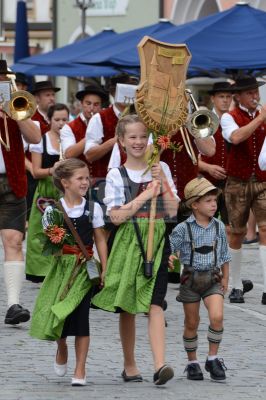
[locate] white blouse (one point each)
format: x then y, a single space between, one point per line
77 211
38 148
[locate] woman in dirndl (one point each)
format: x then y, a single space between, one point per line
44 155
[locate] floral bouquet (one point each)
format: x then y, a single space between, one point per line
54 234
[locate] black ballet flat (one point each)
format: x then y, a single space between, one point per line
133 378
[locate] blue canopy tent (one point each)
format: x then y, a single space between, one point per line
122 42
74 70
230 40
70 52
62 61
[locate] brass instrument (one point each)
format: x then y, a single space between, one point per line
21 106
200 124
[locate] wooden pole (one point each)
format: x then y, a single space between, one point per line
152 219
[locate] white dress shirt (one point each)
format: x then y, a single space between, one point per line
94 132
262 157
67 136
229 125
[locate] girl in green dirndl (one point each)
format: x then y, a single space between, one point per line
44 155
63 303
126 289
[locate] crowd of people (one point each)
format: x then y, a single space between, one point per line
83 189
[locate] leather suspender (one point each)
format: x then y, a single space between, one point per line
128 197
203 249
73 230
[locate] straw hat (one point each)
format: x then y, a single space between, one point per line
196 188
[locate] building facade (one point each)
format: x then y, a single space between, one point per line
55 23
40 22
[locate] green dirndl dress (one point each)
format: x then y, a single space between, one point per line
125 286
50 312
37 265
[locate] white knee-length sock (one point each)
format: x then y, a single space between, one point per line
235 268
262 250
14 272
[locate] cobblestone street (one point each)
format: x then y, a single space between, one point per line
26 368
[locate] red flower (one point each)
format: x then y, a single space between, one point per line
55 234
164 142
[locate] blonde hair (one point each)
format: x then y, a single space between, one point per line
123 122
65 170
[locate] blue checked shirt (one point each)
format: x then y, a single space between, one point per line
180 241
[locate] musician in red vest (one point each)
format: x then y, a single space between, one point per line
13 189
184 166
244 129
73 134
213 168
44 93
100 134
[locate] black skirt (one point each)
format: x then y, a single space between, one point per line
160 287
77 323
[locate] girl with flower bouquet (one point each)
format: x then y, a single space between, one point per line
126 288
62 306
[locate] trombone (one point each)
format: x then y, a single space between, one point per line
200 124
21 106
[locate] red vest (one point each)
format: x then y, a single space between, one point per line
14 159
78 128
220 156
242 160
180 164
44 125
109 121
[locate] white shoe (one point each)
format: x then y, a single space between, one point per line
60 369
78 381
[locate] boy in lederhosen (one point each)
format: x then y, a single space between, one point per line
203 249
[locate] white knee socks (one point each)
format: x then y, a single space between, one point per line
262 250
235 268
14 272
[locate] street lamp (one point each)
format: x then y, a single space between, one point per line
83 5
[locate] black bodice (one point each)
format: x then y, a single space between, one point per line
137 188
83 224
48 160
